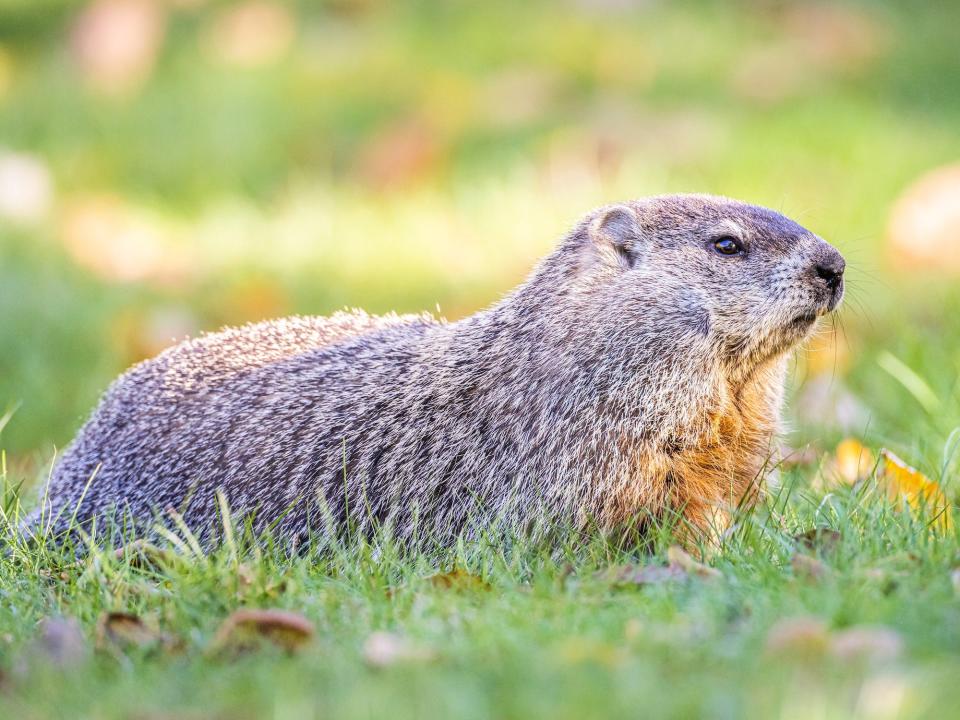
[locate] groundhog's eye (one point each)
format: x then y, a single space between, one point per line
728 246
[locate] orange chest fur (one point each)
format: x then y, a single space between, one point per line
713 474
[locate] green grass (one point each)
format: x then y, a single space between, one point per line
553 633
529 113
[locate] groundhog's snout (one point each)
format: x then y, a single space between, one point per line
828 267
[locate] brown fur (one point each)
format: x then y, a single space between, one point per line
638 371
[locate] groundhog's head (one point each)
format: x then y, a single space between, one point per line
748 278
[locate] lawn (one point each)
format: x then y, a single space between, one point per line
858 621
236 161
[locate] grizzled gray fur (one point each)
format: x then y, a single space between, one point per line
638 370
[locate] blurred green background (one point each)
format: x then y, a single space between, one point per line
171 166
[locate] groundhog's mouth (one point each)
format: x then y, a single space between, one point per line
810 316
835 299
806 318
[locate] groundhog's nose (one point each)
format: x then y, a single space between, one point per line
829 268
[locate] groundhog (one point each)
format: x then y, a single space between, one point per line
638 372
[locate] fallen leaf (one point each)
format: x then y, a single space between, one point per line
807 567
383 649
246 629
458 579
906 484
679 557
798 636
823 540
866 643
125 630
853 461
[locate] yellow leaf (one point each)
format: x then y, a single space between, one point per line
854 461
904 483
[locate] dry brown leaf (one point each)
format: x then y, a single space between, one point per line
803 636
853 461
679 557
383 649
458 579
866 643
808 568
125 630
246 629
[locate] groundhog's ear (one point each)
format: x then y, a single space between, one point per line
617 229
